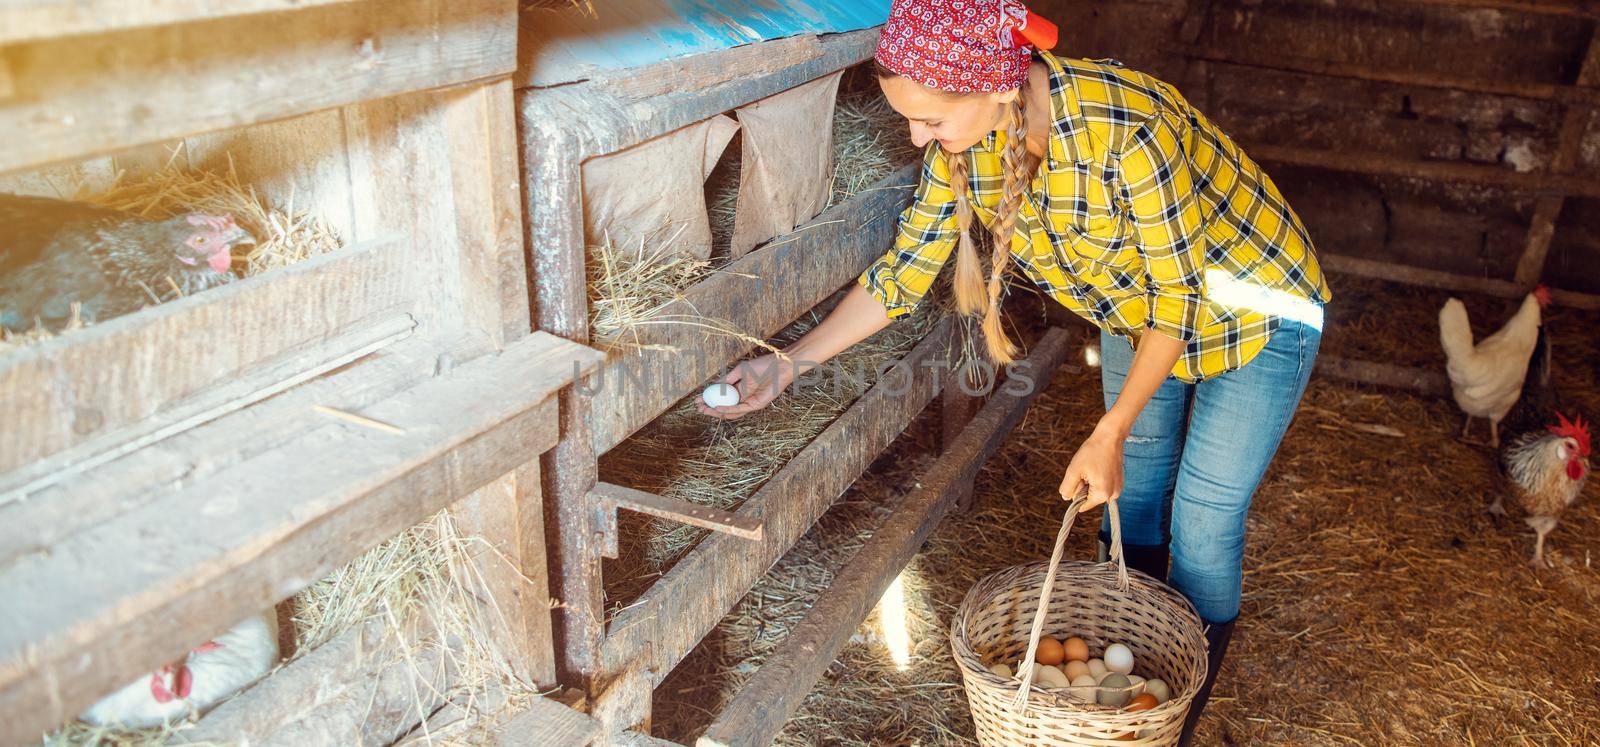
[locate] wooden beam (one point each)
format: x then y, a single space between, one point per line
44 19
546 723
1370 268
756 295
1564 8
230 541
671 617
1382 164
613 497
1384 374
757 713
1574 95
1530 266
90 95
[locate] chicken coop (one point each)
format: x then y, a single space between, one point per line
429 421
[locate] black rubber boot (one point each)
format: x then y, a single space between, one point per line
1217 637
1150 559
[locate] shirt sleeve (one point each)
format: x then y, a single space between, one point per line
927 231
1158 189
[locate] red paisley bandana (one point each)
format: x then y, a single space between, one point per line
963 45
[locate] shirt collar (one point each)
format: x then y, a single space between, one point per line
1069 136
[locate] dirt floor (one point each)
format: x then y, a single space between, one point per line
1382 604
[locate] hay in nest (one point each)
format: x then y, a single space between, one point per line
1409 615
688 456
285 236
628 289
429 568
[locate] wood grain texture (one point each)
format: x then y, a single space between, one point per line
261 530
108 379
1379 164
82 96
757 713
546 723
1530 265
612 497
757 295
674 614
22 20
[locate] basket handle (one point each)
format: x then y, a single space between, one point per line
1026 670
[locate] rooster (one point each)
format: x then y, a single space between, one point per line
1487 378
1548 470
57 253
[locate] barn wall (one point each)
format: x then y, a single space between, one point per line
1261 96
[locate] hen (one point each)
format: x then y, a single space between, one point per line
201 679
1487 378
54 253
1548 470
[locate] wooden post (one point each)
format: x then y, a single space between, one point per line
1530 266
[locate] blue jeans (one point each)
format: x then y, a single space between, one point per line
1196 454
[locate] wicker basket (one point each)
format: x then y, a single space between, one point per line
1005 613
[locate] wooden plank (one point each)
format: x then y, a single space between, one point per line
757 713
1530 266
1382 164
23 20
1384 374
546 723
757 295
122 378
658 630
1370 268
1269 61
89 95
366 686
612 497
1564 8
261 530
957 409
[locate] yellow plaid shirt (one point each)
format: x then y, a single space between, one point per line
1141 211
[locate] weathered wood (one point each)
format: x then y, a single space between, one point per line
1530 265
757 713
546 723
1567 8
363 687
139 373
1381 164
43 19
258 531
1390 271
612 497
957 408
672 616
756 295
1277 61
88 95
1384 374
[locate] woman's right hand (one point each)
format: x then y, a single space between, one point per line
758 380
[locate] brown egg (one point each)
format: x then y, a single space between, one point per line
1049 652
1142 703
1076 649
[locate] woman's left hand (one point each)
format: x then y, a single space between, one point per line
1097 463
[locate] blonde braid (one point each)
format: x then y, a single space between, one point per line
968 279
1014 160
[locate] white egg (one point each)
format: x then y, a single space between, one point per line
1119 659
720 395
1097 668
1138 685
1084 687
1046 675
1002 670
1159 689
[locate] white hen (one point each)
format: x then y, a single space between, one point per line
1486 378
200 680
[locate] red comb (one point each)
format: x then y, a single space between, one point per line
1541 292
1575 429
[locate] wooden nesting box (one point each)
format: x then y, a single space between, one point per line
167 473
564 125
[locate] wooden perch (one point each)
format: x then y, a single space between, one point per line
1384 374
756 714
613 497
1384 164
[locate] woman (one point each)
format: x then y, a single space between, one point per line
1134 211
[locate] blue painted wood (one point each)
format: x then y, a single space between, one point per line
562 46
